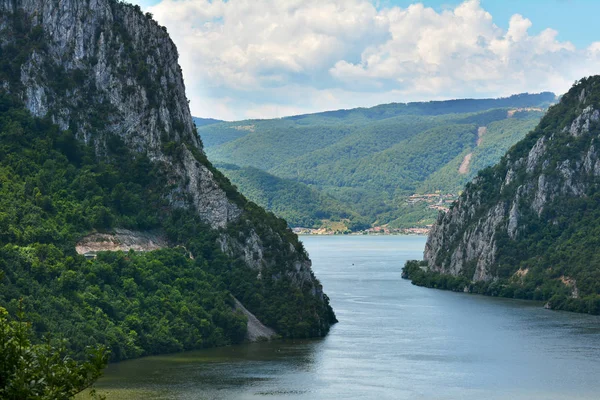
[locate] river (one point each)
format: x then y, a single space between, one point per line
394 341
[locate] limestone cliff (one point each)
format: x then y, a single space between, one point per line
108 73
526 225
105 69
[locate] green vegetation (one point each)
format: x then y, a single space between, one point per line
554 256
297 203
42 371
370 160
54 190
499 136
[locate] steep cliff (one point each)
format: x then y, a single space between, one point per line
528 227
105 74
102 69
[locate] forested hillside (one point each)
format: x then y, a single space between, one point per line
297 203
93 139
528 226
370 160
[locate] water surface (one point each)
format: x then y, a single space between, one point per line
394 341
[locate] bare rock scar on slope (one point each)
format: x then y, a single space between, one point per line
482 130
121 240
256 329
464 166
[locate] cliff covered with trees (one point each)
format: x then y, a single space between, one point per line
528 226
96 134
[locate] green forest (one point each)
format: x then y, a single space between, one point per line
299 204
54 190
368 160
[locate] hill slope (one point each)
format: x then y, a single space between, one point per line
299 204
206 121
97 135
372 159
528 227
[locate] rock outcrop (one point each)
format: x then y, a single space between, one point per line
121 240
119 78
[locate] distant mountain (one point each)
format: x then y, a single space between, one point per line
299 204
205 121
371 159
529 227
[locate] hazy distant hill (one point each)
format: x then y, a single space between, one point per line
371 159
299 204
206 121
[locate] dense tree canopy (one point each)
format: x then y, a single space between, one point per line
42 371
54 190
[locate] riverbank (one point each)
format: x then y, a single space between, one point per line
376 231
555 294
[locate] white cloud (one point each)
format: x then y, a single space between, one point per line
269 58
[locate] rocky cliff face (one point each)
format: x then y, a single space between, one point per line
106 70
528 211
109 74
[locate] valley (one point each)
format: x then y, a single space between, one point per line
359 167
275 250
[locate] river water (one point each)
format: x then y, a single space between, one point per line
394 341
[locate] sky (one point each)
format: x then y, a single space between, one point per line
246 59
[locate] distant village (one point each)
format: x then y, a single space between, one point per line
432 201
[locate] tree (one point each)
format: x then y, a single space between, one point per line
32 371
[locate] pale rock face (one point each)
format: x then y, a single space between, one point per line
251 249
581 124
535 154
513 219
570 185
541 195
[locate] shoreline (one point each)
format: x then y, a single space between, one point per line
362 234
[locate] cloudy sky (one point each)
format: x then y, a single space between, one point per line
272 58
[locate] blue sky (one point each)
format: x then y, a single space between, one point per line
271 58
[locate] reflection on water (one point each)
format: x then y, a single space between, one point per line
394 341
213 373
